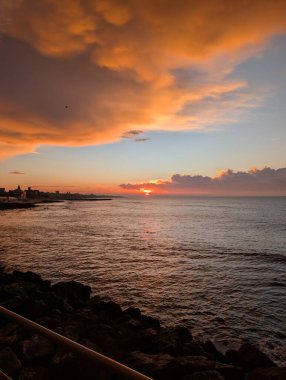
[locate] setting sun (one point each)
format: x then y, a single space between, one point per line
146 192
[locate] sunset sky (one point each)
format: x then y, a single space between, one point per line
108 95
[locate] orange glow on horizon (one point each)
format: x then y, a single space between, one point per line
146 192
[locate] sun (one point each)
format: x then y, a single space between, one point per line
147 192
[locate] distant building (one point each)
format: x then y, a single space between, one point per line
32 194
2 191
17 193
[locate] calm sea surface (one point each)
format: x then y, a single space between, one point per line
215 265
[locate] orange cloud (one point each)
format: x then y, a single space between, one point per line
265 181
122 65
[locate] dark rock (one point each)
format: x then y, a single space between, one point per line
51 321
205 375
18 276
232 356
251 357
64 366
9 362
151 365
8 341
19 305
132 337
166 367
53 301
193 348
29 277
148 321
71 332
4 294
216 349
32 373
76 293
36 348
133 312
16 290
229 372
185 365
110 309
39 309
107 338
69 366
171 341
93 300
274 373
8 329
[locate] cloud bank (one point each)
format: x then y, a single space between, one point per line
265 181
123 65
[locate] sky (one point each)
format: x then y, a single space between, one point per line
124 96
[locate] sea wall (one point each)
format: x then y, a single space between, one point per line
128 336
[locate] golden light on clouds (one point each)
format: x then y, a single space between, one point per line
124 65
266 181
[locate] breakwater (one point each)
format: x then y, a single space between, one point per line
128 336
15 205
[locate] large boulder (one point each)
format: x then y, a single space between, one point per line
109 309
170 341
250 357
229 372
274 373
187 365
166 367
32 373
19 305
29 277
133 312
194 348
151 365
37 347
9 362
216 349
148 321
74 292
66 365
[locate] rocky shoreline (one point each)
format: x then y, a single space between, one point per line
15 205
127 336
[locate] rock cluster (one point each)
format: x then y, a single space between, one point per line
136 340
15 205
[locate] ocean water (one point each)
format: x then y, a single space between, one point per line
215 265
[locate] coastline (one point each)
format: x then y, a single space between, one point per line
24 205
15 205
128 336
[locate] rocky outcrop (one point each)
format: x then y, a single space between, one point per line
15 205
128 336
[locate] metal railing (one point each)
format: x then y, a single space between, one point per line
109 364
3 376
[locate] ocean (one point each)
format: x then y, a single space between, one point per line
216 265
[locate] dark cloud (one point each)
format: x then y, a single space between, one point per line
142 139
132 134
255 181
16 172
